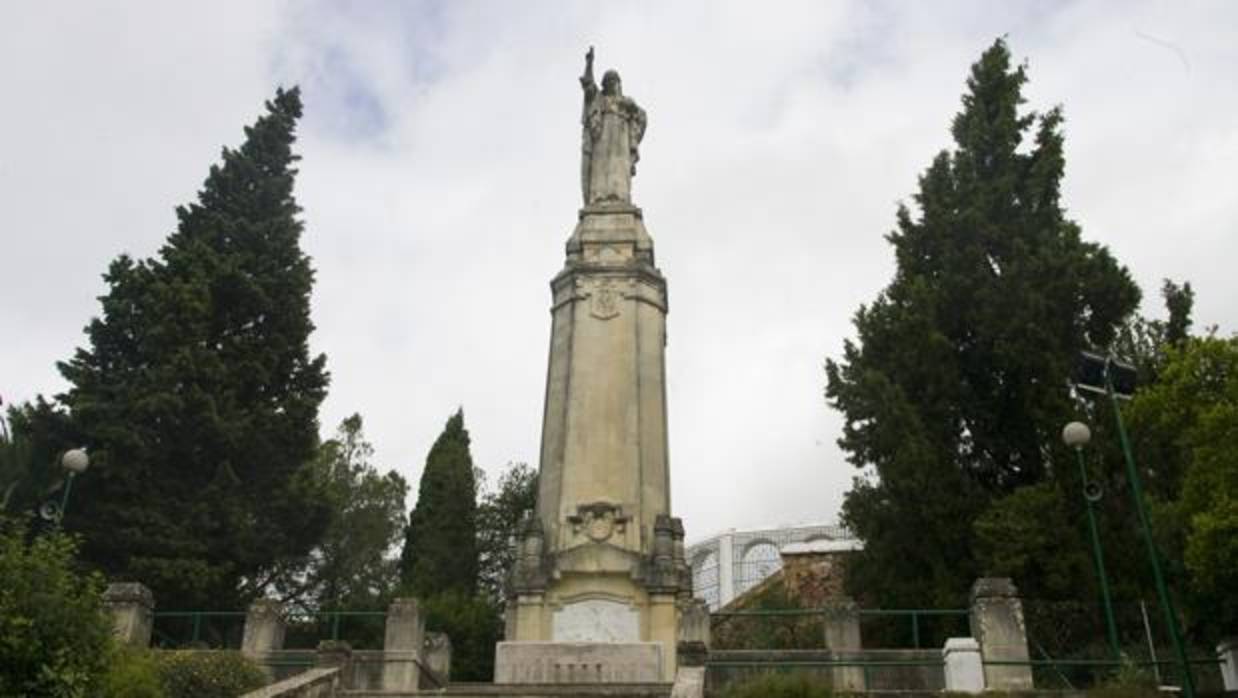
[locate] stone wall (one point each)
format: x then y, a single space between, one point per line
903 670
814 577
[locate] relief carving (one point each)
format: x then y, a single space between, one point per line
598 521
605 300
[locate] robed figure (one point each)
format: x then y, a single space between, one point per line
613 128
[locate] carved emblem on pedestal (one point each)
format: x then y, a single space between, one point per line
604 301
598 521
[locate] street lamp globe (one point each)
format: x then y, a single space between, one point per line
1076 435
75 461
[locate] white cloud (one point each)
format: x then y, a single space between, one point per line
439 182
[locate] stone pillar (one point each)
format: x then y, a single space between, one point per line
664 630
1227 652
264 628
694 622
964 672
842 639
689 682
682 569
132 607
693 647
402 645
997 624
530 620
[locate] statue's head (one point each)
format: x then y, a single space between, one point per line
611 84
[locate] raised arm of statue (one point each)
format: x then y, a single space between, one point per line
586 81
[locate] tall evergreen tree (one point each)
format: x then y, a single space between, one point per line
954 392
440 543
197 395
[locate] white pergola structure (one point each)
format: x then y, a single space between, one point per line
730 563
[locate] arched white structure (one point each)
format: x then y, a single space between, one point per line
728 564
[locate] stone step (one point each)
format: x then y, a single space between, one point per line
490 690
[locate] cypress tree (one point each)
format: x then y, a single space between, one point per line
440 543
197 394
954 391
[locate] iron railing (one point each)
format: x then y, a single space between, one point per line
224 629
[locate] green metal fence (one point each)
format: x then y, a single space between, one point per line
1067 642
1074 674
304 630
360 629
804 628
198 629
898 670
913 627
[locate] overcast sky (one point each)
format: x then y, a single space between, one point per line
440 181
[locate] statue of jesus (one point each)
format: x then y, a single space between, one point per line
613 126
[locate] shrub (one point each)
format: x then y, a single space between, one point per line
54 634
780 686
208 674
132 673
1129 681
473 625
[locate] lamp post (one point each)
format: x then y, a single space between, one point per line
74 461
1105 375
1076 435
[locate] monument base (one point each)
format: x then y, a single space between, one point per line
577 662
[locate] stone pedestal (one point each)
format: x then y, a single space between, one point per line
1227 652
334 653
964 672
578 662
437 656
694 622
402 645
689 682
842 638
693 650
997 624
132 608
264 628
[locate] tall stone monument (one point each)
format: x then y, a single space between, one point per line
600 583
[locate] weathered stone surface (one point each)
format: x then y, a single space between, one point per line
814 572
314 683
689 682
402 645
335 654
842 635
437 658
577 663
132 608
264 628
1227 651
997 624
597 620
694 623
613 126
598 690
964 671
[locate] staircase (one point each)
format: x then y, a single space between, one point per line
489 690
